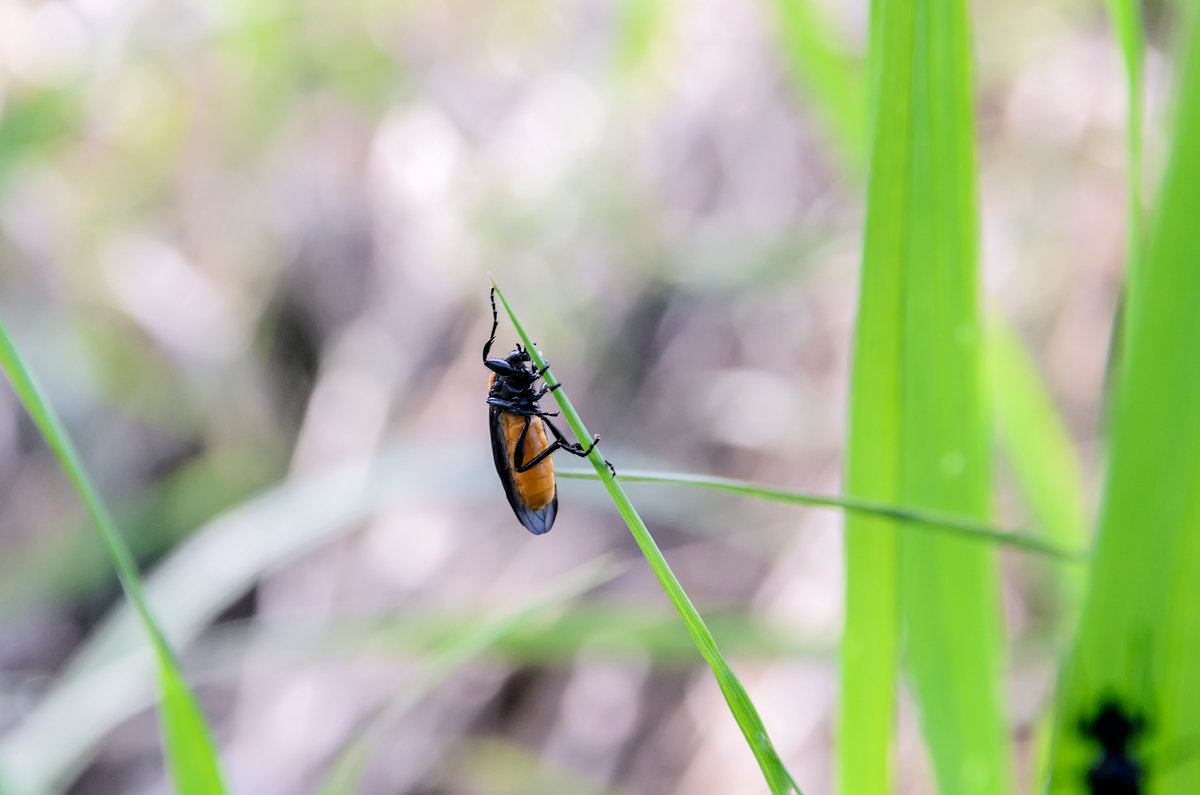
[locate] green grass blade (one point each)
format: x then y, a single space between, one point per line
744 712
826 73
871 637
104 683
350 763
1050 479
949 590
1139 634
1048 471
1127 19
918 433
191 757
919 518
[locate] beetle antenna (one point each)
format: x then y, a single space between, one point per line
487 346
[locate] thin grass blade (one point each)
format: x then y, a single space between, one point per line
917 518
871 637
827 73
1127 20
1048 471
744 712
191 756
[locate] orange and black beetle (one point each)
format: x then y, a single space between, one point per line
518 428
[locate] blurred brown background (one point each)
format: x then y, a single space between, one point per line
245 247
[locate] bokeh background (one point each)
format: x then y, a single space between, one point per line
245 248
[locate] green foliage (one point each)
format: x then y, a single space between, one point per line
187 743
1042 457
831 79
1139 632
918 518
918 432
1127 20
744 712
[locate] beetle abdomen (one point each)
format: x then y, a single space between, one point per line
534 486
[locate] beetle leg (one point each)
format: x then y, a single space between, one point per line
574 448
519 450
537 459
571 447
520 409
501 367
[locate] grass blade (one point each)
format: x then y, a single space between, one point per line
949 590
1127 19
918 433
1140 631
920 518
191 757
871 637
1044 460
827 73
744 712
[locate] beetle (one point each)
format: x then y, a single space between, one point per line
1116 771
518 429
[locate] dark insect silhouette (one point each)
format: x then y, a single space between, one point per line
1115 731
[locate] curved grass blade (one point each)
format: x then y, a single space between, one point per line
829 76
1140 631
191 756
744 712
1126 16
1044 460
920 518
105 681
1127 20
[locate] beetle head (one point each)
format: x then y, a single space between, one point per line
518 357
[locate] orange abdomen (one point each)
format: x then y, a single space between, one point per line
535 486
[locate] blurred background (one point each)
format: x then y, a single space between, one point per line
245 248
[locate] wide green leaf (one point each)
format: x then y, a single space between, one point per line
949 589
918 432
1139 634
